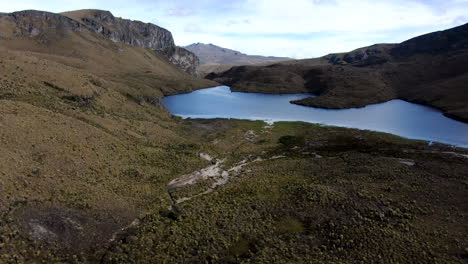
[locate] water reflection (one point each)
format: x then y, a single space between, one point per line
397 117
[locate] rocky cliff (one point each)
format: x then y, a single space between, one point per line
32 23
38 24
136 33
183 59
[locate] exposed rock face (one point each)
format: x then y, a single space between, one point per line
133 33
34 24
184 59
136 33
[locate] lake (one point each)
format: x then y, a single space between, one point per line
396 117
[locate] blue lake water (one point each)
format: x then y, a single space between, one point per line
396 117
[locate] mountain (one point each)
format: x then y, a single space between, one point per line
215 59
137 34
212 54
428 70
94 169
109 47
80 104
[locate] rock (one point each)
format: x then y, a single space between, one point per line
183 59
39 232
135 33
40 24
32 23
139 34
250 135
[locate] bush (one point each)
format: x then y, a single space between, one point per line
291 141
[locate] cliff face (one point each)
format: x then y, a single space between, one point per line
38 24
183 59
136 33
133 33
32 23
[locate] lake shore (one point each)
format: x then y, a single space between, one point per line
396 117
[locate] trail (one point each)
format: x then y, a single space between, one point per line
215 171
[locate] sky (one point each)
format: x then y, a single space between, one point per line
286 28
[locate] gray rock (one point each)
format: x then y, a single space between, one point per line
145 35
183 59
32 23
135 33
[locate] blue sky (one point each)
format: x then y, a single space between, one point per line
292 28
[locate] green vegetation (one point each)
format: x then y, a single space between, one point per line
354 202
85 169
77 177
428 70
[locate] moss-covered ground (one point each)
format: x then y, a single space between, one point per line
85 168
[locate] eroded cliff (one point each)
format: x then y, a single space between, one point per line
46 26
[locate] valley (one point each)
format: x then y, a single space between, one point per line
95 169
428 70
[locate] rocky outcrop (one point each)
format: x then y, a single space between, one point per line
139 34
183 59
32 23
45 26
135 33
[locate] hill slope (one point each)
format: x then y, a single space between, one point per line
428 69
217 59
59 39
88 157
136 33
212 54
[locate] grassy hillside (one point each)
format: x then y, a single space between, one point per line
429 70
88 157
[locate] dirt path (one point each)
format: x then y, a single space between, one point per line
215 171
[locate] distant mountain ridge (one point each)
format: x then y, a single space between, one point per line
212 54
429 69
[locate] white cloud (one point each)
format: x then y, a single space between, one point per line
294 28
181 11
309 28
